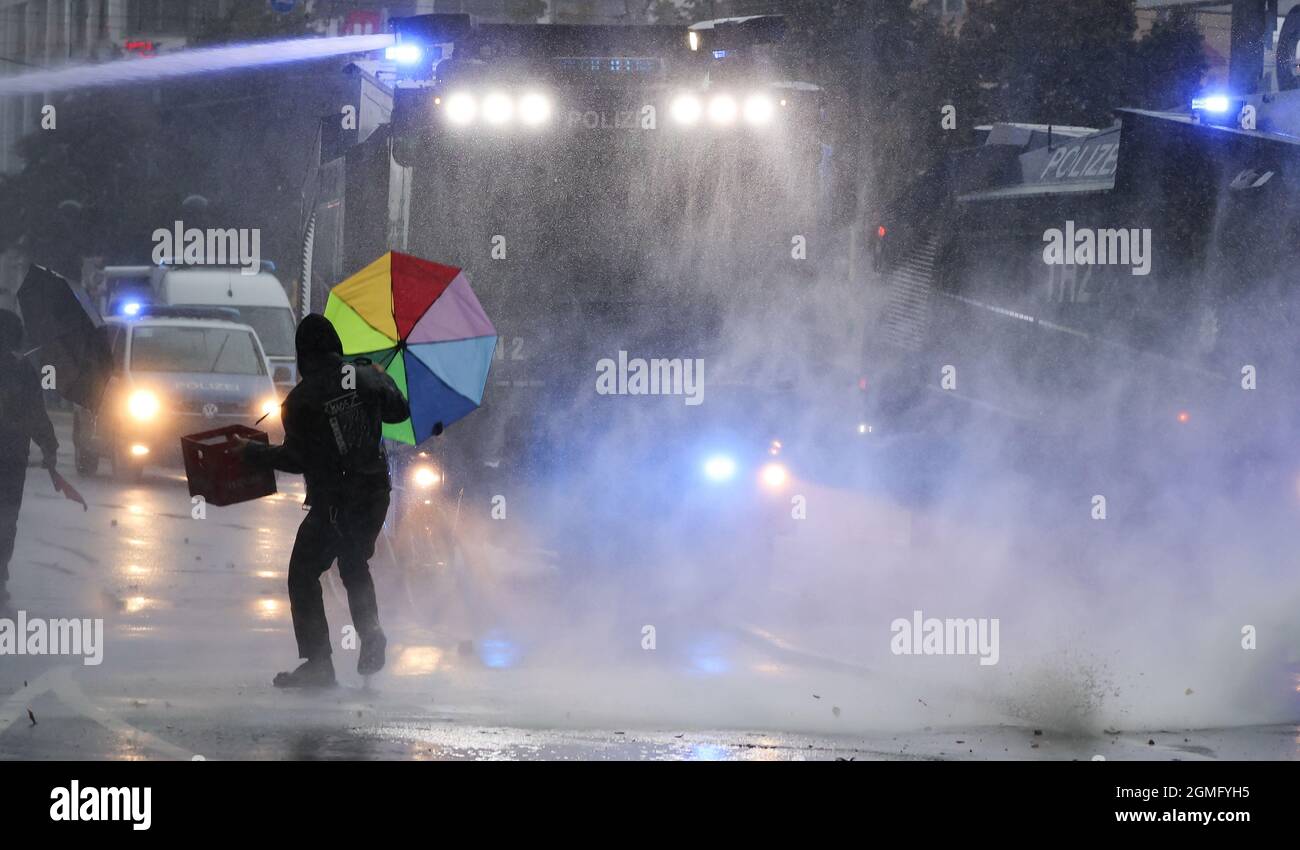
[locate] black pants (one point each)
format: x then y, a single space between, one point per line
12 477
347 533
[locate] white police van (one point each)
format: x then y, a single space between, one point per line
175 372
258 297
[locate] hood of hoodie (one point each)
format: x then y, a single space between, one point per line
318 345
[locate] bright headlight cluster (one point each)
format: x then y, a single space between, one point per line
722 109
498 109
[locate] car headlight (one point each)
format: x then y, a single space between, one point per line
461 108
774 476
270 408
758 109
534 109
425 477
685 109
143 405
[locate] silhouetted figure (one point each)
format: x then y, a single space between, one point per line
23 420
332 436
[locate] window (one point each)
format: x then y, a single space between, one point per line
274 326
198 350
158 16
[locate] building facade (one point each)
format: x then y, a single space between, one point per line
45 34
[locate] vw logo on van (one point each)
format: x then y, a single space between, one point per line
209 410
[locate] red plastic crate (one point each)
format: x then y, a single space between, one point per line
216 474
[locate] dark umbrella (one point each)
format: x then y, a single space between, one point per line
66 331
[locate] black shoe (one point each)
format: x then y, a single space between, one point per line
372 655
312 673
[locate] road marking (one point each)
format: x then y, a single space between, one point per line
59 682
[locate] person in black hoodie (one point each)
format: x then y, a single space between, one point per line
23 421
332 436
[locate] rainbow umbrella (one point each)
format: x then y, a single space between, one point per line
422 323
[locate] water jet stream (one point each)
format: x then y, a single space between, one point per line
189 62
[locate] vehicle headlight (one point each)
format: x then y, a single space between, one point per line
758 109
426 477
722 109
461 108
685 109
534 109
774 476
271 407
143 405
498 108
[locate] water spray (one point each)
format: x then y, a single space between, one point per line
190 62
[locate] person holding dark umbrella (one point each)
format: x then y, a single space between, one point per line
23 420
67 330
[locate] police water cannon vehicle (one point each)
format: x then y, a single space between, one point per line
1150 263
611 191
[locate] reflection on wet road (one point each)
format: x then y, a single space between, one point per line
197 621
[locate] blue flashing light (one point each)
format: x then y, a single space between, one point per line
498 652
130 308
720 468
404 54
1217 103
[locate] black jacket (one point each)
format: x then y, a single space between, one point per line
23 419
332 422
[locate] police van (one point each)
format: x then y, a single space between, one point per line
259 298
175 372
